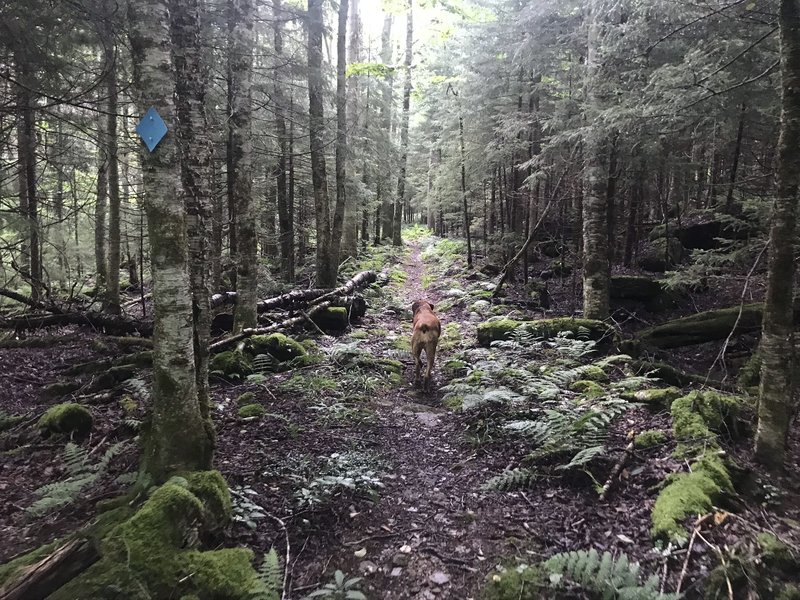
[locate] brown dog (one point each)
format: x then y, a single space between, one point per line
425 335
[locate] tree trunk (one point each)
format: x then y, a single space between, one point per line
242 15
464 192
196 158
285 225
178 438
386 206
326 277
111 296
397 225
596 273
776 398
341 149
100 214
737 152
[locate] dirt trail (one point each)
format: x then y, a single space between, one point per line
431 531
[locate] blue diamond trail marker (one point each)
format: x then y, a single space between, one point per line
151 128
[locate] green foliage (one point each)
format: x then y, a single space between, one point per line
269 581
82 473
231 364
341 588
378 70
245 510
338 475
510 480
609 577
252 411
246 398
650 439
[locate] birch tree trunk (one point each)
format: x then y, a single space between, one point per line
178 438
241 161
776 398
100 217
596 269
196 156
397 239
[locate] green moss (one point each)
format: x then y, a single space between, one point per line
9 570
521 582
333 318
252 410
246 398
451 336
231 364
650 439
658 397
278 345
128 405
588 388
697 414
774 552
500 329
689 494
144 557
402 343
211 489
593 373
750 373
67 418
9 421
703 327
307 360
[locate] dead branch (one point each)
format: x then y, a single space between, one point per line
617 469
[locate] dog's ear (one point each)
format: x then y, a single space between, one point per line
431 305
415 306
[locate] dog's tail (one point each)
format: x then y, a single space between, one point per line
424 328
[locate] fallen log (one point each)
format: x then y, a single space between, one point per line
48 575
706 326
227 342
296 298
111 324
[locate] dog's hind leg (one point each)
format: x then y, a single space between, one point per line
430 354
416 354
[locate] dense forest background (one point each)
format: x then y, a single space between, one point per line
622 171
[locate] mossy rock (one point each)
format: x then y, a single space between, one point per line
656 397
67 419
650 439
60 388
211 489
252 410
689 495
521 582
776 553
661 254
593 373
278 345
500 329
333 318
588 388
145 556
246 398
231 364
9 421
697 414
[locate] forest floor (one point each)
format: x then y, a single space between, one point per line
354 469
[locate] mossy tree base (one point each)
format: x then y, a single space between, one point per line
147 555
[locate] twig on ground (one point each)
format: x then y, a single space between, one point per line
698 523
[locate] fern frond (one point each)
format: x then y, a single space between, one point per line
512 479
269 581
264 363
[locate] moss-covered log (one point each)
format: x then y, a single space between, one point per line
501 329
706 327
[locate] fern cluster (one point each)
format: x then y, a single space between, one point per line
609 578
523 387
82 473
269 582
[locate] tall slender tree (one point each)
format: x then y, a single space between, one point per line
401 181
111 296
776 395
178 438
242 15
